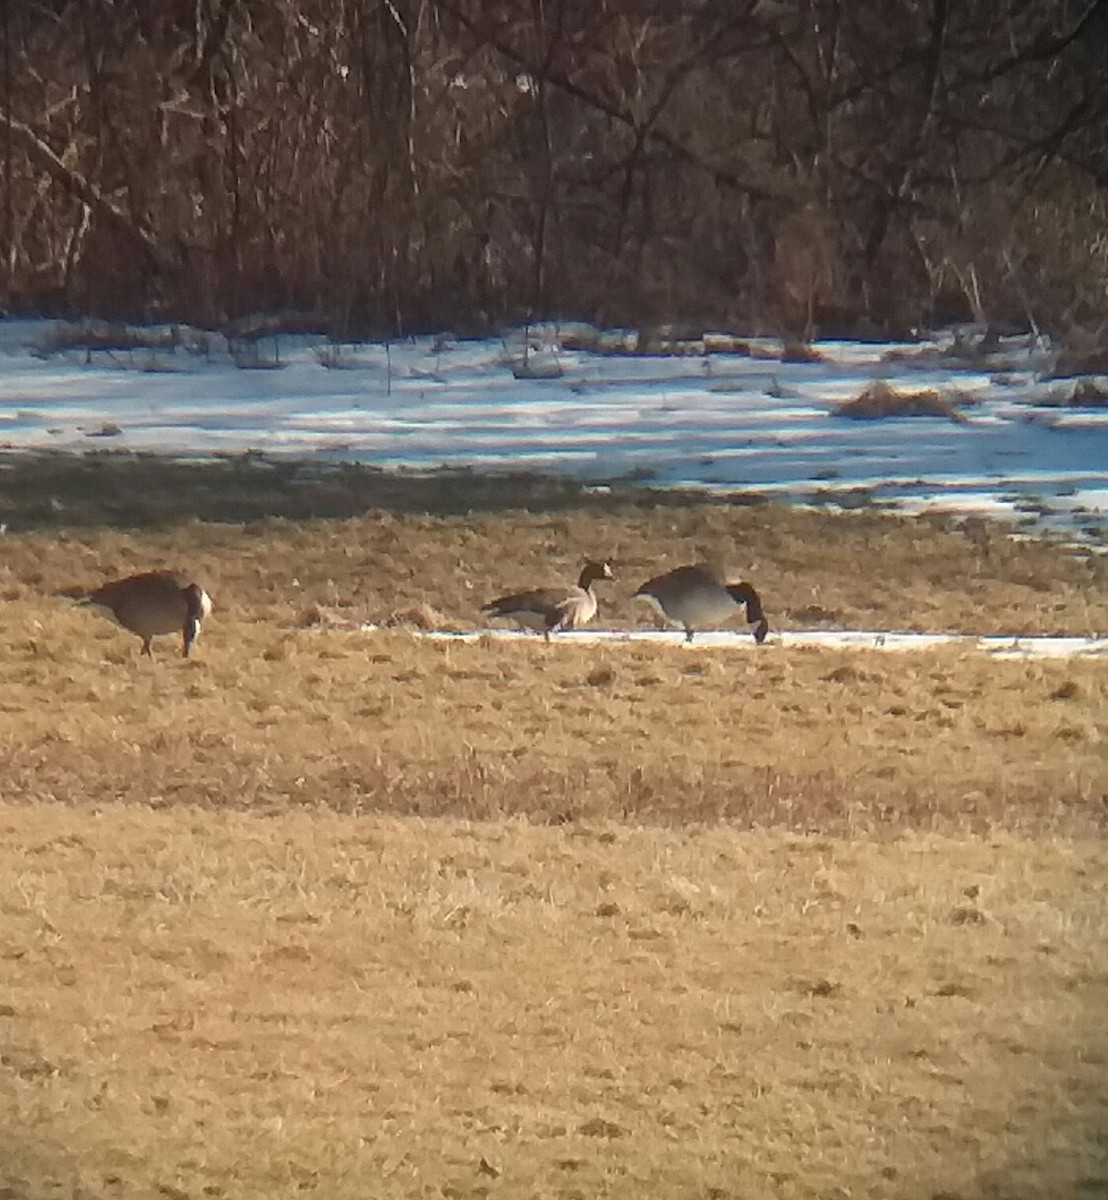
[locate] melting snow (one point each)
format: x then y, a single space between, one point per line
999 646
719 421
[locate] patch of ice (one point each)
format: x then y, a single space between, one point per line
1000 646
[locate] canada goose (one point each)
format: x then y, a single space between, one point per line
546 610
694 597
151 603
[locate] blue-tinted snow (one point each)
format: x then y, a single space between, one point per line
716 420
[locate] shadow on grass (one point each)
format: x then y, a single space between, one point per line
128 491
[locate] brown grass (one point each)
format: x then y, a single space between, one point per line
203 1003
267 718
878 400
285 703
686 922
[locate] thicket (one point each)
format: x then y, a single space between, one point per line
390 165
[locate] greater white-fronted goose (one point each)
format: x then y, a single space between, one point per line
548 610
152 603
696 599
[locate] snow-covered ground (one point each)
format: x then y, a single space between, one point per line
996 646
730 421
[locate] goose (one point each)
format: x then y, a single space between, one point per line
694 598
151 603
547 610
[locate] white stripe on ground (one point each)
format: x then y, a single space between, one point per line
998 645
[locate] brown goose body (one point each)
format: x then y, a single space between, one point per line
548 610
153 603
694 598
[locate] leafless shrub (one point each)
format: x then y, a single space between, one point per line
805 264
400 167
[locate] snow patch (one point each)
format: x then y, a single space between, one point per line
724 421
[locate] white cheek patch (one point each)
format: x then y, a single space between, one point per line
205 604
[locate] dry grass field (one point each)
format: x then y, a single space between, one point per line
200 1003
345 913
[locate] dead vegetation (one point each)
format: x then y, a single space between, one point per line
330 911
878 400
203 1003
401 167
289 702
1089 393
266 718
260 533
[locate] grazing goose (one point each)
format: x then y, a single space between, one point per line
152 603
546 610
695 598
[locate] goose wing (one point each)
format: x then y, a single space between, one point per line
546 608
678 582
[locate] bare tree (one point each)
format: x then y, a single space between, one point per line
403 164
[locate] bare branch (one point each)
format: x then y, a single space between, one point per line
44 157
602 104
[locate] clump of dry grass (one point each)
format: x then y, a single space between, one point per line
878 400
421 616
799 351
316 616
202 1003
